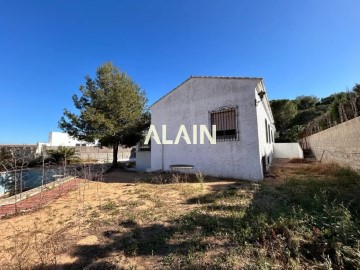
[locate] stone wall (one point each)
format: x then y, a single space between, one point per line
103 155
340 144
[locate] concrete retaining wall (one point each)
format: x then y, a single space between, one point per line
340 144
288 150
101 154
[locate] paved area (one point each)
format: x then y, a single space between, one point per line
33 191
40 199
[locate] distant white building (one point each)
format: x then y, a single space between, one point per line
63 139
239 108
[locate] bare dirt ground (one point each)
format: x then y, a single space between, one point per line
65 233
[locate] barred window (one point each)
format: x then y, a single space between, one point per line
225 120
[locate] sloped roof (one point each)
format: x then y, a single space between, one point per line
207 77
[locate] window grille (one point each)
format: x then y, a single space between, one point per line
225 120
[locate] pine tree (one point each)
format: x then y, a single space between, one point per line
112 110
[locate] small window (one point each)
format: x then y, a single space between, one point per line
145 147
269 131
266 131
226 124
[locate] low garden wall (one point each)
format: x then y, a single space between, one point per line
288 150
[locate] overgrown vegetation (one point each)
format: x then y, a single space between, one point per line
307 218
306 115
303 222
64 155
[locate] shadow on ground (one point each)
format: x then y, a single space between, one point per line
309 222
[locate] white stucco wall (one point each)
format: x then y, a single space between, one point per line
189 105
143 160
266 148
288 150
63 139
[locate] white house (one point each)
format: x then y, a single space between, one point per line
64 139
239 108
60 139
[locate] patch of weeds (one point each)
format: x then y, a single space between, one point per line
170 178
94 214
130 216
187 190
93 217
175 178
145 196
132 267
169 260
132 204
109 206
200 178
128 223
147 215
130 247
159 179
223 261
147 240
158 203
190 260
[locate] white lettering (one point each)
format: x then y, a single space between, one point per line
152 130
182 130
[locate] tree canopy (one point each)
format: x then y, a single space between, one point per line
306 115
112 109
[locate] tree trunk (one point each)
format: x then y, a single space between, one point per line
344 112
354 107
115 155
341 113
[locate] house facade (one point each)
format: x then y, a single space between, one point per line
64 139
239 108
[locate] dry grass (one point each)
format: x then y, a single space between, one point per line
208 224
50 236
300 160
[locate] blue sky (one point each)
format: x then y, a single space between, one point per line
308 47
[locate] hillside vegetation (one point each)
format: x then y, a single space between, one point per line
306 115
